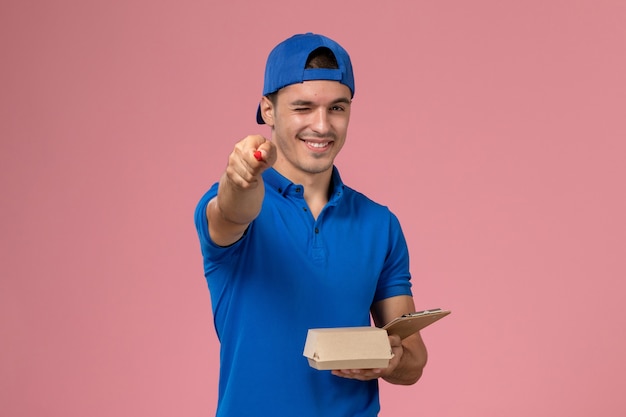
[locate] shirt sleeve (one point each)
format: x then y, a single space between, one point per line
395 278
202 226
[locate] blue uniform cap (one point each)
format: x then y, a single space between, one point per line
286 64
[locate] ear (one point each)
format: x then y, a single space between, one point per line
267 111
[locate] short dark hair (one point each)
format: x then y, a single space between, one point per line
322 57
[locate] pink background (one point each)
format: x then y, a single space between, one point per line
495 130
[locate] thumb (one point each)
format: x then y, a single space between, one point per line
266 152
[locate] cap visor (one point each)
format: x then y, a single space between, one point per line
259 119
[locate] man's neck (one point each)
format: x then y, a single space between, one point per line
316 187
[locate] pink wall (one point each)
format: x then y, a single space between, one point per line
494 129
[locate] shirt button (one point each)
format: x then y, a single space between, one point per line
317 230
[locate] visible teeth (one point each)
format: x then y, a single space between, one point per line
317 144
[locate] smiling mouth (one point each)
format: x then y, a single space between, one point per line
317 146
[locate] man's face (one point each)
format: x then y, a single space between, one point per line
310 123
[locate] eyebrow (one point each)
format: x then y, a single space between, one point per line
309 103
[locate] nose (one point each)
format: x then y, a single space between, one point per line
320 123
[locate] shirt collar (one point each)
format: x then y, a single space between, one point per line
284 186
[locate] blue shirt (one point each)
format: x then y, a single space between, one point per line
291 272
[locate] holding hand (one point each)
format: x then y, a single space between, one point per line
241 190
251 156
367 374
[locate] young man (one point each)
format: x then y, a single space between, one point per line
288 247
